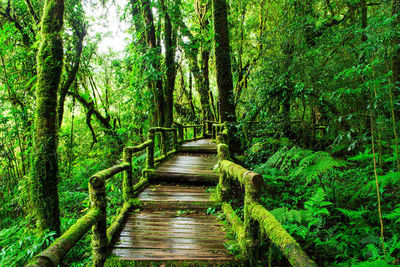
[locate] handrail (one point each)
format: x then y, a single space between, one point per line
96 217
256 217
183 131
53 255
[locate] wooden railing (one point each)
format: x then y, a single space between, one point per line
257 219
96 217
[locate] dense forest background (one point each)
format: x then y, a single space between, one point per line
313 100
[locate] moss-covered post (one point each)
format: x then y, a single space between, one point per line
98 200
164 148
44 171
150 151
213 132
223 184
251 226
176 144
220 139
180 133
186 133
127 183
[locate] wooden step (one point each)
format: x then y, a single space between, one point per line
199 146
161 197
168 235
189 168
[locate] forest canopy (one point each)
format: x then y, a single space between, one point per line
309 90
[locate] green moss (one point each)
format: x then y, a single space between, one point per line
278 236
116 225
236 223
60 247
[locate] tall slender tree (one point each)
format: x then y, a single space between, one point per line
44 173
396 52
157 84
170 44
223 62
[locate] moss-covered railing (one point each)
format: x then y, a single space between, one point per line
95 218
169 144
258 221
220 130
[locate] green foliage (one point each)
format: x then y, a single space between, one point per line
18 244
326 215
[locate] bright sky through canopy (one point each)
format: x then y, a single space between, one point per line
105 20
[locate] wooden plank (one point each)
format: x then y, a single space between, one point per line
179 221
143 234
143 243
176 188
174 199
172 228
162 253
161 225
181 170
172 240
176 192
214 260
174 214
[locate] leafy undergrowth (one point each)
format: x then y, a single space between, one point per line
19 242
330 207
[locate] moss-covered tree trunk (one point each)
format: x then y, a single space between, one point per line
157 84
223 62
170 44
44 169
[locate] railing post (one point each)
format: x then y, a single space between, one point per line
220 139
213 130
127 183
223 184
194 132
98 200
251 226
164 149
150 151
176 145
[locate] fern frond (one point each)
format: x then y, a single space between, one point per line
284 215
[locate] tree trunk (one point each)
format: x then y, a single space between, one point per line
44 173
156 84
170 41
223 62
204 87
396 54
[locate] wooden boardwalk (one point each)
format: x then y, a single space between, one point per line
173 224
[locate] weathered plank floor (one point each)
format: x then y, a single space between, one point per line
193 166
169 235
201 145
172 224
168 196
